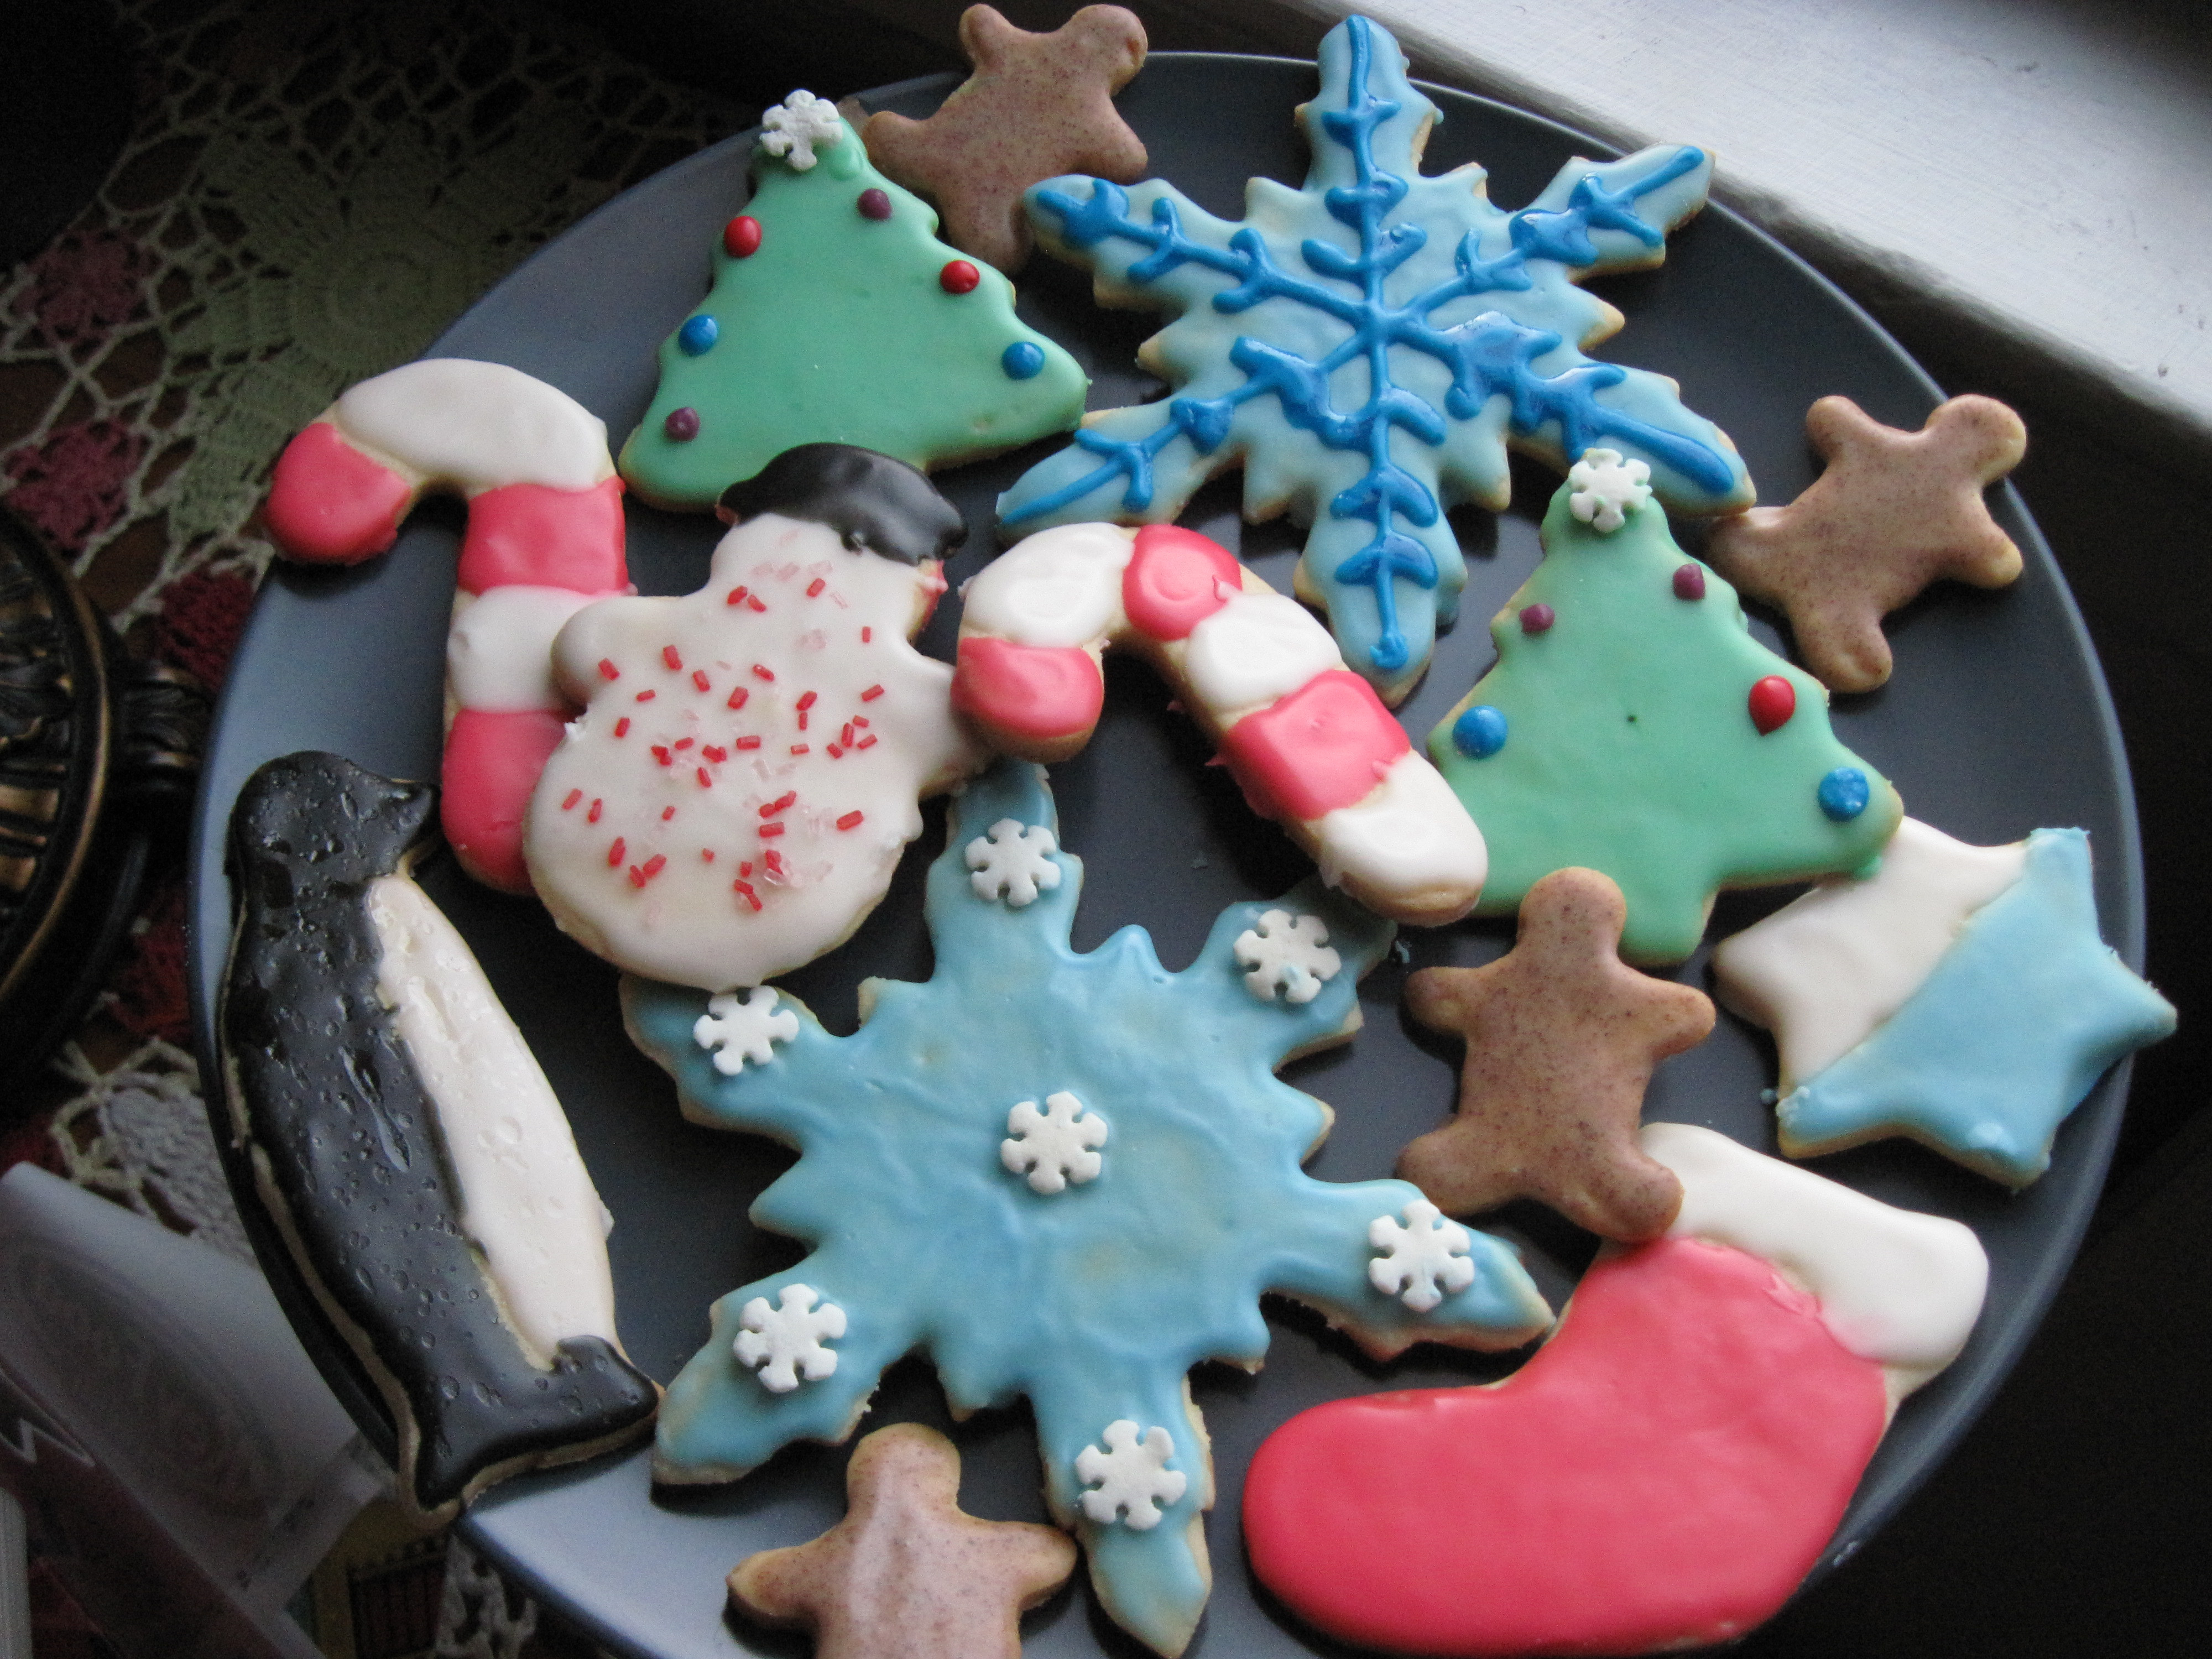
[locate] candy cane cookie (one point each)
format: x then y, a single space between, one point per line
1309 740
544 539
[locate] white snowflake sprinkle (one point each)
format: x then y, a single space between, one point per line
736 1031
1427 1257
1605 487
1287 953
785 1343
1054 1148
1129 1481
1014 862
792 127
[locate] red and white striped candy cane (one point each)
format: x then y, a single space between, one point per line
1309 741
544 539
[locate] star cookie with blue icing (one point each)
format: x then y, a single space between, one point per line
1960 995
1172 1200
1368 346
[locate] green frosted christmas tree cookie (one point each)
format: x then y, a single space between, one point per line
836 315
1633 725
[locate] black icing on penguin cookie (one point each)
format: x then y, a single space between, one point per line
407 1146
872 502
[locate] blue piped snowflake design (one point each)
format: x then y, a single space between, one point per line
1387 376
1094 1300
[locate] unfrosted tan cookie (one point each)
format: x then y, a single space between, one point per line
1037 105
1561 1038
905 1574
1893 512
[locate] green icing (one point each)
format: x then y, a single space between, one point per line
836 329
1630 746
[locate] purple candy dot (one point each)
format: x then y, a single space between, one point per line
682 424
874 204
1536 619
1689 581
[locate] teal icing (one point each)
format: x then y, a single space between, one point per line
1093 1302
1370 345
2012 1027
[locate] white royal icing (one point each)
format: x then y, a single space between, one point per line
1425 1261
878 732
788 1342
1056 1148
499 654
1129 1480
1605 487
1059 588
1895 1286
792 127
528 1202
1257 647
1826 969
1014 862
476 425
1410 834
735 1029
1286 953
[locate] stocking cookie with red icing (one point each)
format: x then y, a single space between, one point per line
1666 1469
1036 105
1309 740
1561 1038
544 539
1893 512
906 1574
735 795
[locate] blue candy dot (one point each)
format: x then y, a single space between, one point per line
1844 794
698 336
1480 731
1022 359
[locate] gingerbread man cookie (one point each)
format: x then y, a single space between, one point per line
1893 512
1037 105
1561 1038
907 1572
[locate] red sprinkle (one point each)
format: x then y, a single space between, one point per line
706 778
850 821
622 726
744 891
872 694
705 855
760 673
807 700
868 742
699 679
636 877
615 853
593 817
607 669
737 698
684 743
745 866
667 813
771 830
836 751
660 753
737 597
741 237
845 737
574 795
958 276
860 721
867 633
646 697
655 864
802 749
754 600
802 719
744 743
814 588
668 656
715 753
772 861
783 803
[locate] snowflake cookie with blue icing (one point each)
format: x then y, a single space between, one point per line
1172 1200
1369 346
1960 995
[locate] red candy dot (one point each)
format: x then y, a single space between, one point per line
958 276
741 237
1690 584
1537 618
1772 702
874 204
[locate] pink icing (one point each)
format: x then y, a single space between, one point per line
1176 580
1324 746
1043 694
330 504
492 764
1661 1474
528 532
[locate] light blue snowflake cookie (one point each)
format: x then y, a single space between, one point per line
1064 1176
1369 346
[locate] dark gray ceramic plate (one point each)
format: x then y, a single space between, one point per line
1996 722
